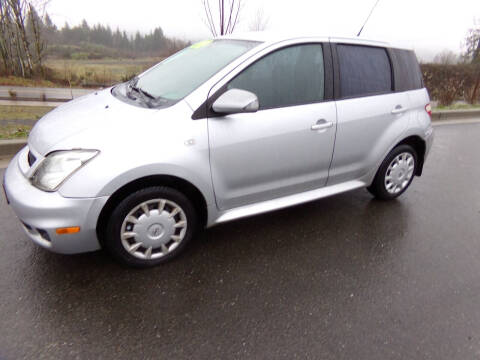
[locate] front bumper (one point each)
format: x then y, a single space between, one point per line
41 213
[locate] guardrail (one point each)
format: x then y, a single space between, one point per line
19 93
439 115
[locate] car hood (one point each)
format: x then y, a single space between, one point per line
96 116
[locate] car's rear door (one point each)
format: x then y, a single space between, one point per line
286 147
371 115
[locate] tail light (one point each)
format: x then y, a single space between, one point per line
428 109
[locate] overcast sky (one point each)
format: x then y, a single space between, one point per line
429 26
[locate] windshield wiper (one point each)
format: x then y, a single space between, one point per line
143 92
147 97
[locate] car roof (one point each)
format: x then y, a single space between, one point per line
275 37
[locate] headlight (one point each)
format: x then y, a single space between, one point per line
58 166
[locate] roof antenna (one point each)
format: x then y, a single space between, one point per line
368 17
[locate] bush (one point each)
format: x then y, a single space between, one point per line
62 51
472 85
447 83
127 76
79 56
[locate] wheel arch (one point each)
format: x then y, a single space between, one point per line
175 182
420 147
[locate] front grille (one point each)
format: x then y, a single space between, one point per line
44 235
38 233
29 228
31 158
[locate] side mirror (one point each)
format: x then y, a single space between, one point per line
236 101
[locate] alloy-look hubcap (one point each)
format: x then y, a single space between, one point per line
153 229
399 173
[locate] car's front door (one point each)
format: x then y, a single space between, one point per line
284 148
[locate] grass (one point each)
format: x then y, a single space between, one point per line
98 72
16 112
19 81
84 73
13 131
458 107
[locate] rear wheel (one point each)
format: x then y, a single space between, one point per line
395 174
150 226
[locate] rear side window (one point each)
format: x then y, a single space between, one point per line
286 77
408 75
364 70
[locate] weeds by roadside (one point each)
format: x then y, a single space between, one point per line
19 81
14 131
16 112
84 73
458 107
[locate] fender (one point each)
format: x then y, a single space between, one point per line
203 185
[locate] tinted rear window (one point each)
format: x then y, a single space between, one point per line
408 75
364 70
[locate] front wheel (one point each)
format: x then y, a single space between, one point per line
150 226
395 174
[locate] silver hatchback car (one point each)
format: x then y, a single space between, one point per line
224 129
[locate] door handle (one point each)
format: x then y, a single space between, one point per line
322 124
399 110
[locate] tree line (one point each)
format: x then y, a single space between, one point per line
99 34
26 38
22 46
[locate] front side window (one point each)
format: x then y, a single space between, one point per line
181 73
286 77
364 70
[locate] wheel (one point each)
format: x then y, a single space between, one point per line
150 226
395 174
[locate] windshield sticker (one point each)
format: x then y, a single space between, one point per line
201 44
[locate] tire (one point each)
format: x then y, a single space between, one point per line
154 239
399 178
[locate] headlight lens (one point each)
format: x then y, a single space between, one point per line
59 165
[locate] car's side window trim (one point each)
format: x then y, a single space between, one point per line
205 110
394 66
328 65
336 71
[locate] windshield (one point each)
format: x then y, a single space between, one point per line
180 74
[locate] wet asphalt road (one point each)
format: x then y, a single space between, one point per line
346 277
